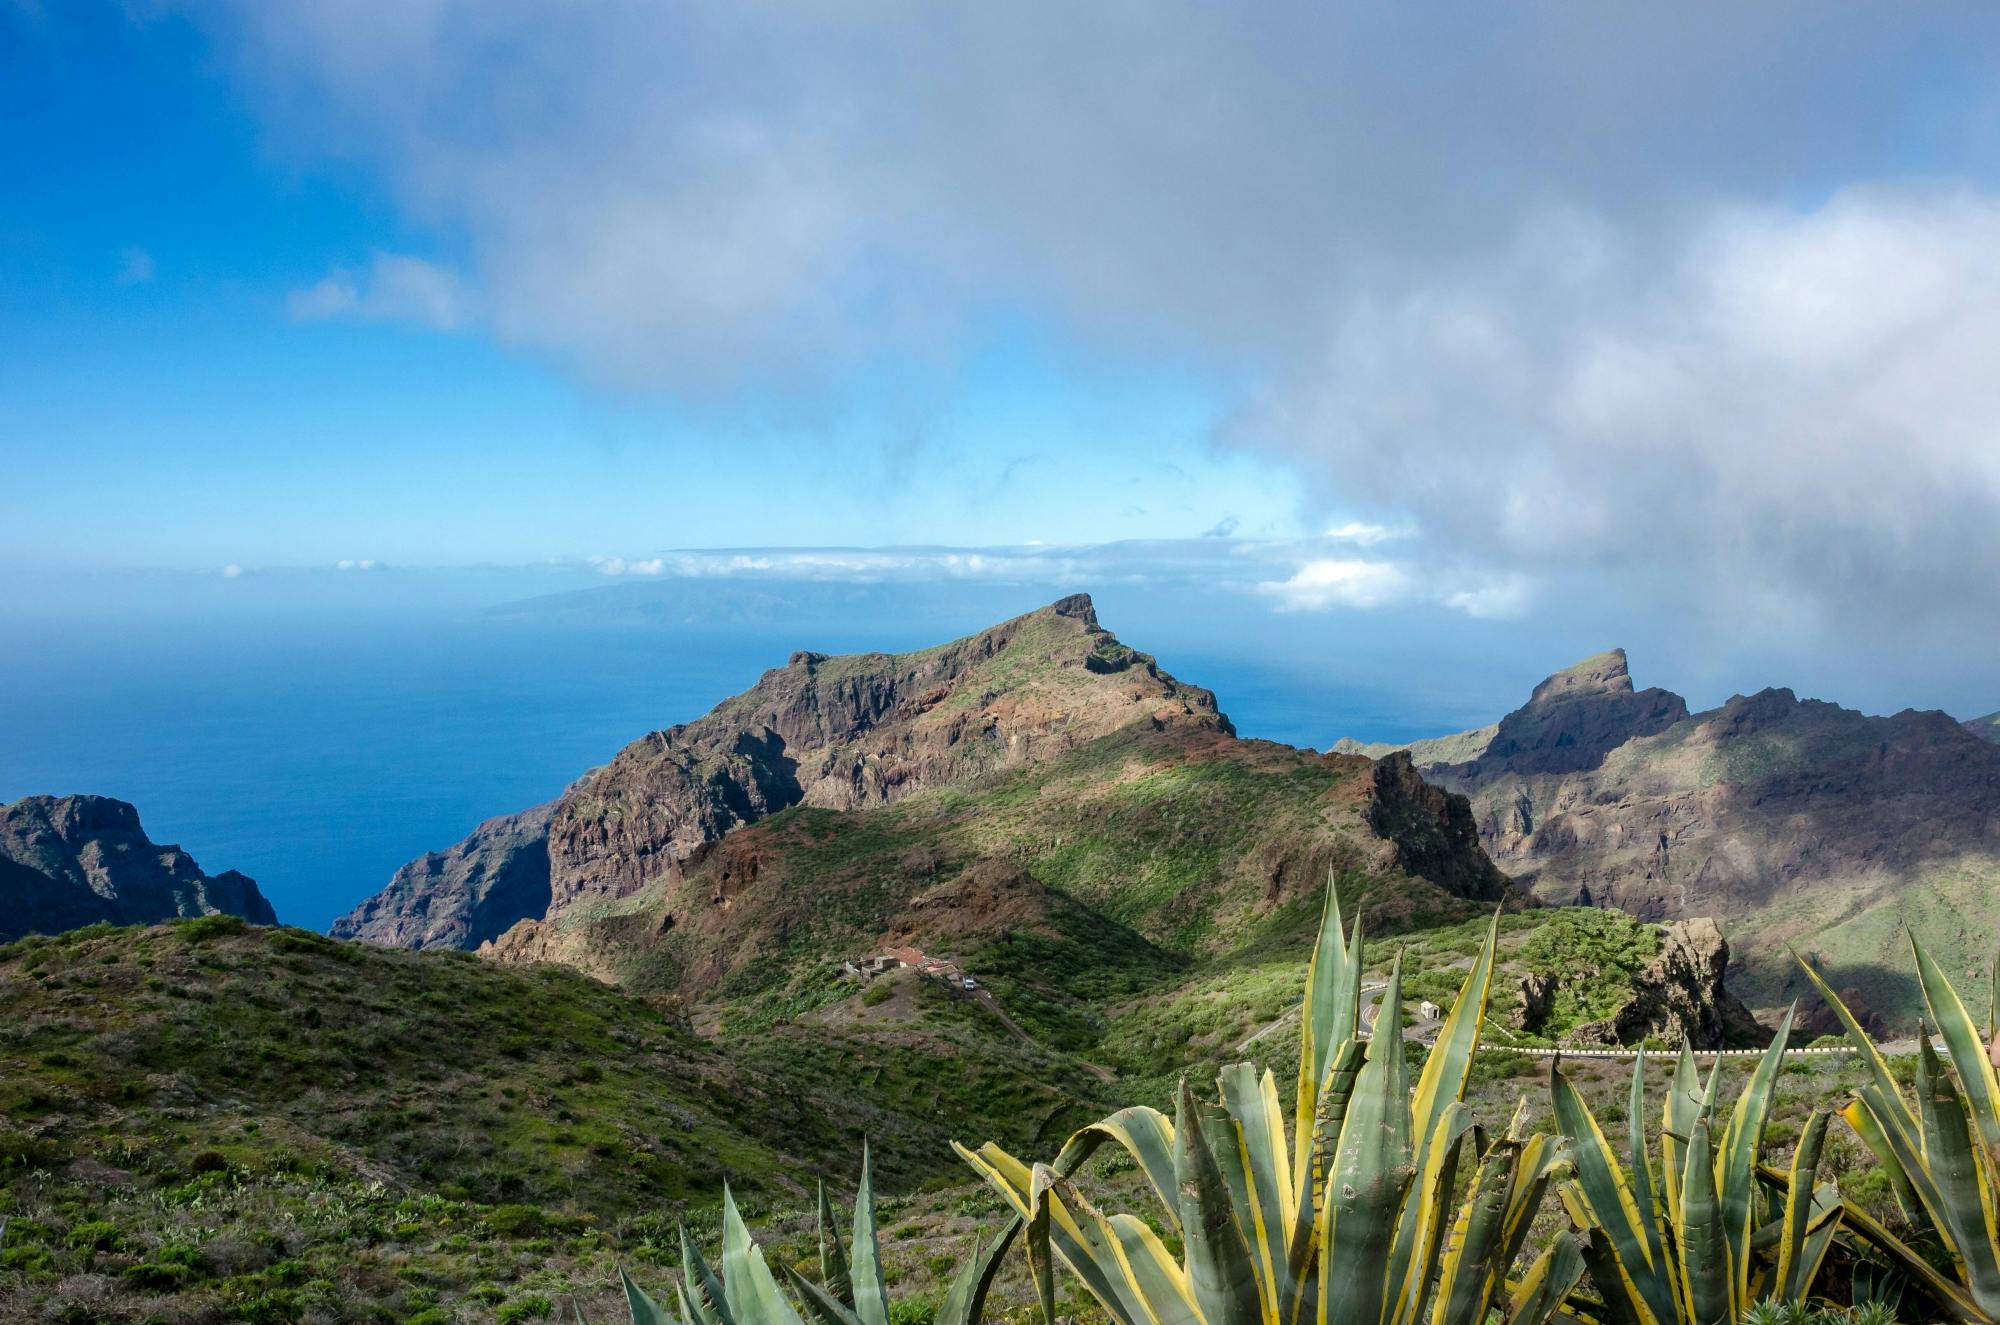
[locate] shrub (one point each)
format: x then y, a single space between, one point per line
532 1307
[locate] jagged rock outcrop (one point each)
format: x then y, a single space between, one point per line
1785 819
461 897
69 861
831 732
1680 997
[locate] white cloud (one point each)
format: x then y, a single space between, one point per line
395 288
1341 583
348 563
1785 417
231 571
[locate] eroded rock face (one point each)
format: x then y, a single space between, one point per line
1790 821
461 897
69 861
830 732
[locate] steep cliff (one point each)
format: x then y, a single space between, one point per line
70 861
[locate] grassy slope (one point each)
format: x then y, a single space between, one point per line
264 1116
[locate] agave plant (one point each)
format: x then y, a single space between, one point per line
1942 1156
1724 1234
850 1290
1346 1223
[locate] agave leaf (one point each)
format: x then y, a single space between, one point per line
749 1290
1959 1166
1547 1285
1328 1017
1677 1119
1442 1082
1421 1227
1898 1118
1267 1172
1371 1178
1861 1118
1156 1279
1794 1274
645 1311
1218 1257
1146 1135
1623 1303
1090 1247
871 1295
1951 1297
704 1289
1470 1261
965 1301
1336 1092
1643 1198
1606 1197
1703 1244
1963 1042
832 1256
1015 1182
1736 1161
1041 1265
830 1309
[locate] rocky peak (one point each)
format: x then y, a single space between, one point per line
1599 674
1573 719
1986 728
836 732
69 861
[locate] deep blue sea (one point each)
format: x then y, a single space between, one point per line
317 754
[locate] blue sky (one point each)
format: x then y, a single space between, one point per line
1679 321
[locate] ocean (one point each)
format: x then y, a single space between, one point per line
318 753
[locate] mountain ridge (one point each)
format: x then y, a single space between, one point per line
827 731
1793 821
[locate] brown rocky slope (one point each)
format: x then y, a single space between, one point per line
1793 822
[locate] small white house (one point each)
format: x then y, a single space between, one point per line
1429 1011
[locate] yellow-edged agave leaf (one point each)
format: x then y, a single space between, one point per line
1219 1273
1471 1262
1960 1169
1371 1177
1703 1243
1608 1196
1797 1265
1643 1196
1266 1169
748 1289
1736 1164
1145 1134
1953 1297
1442 1081
1092 1246
1966 1046
1157 1280
1420 1230
1896 1117
1542 1291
